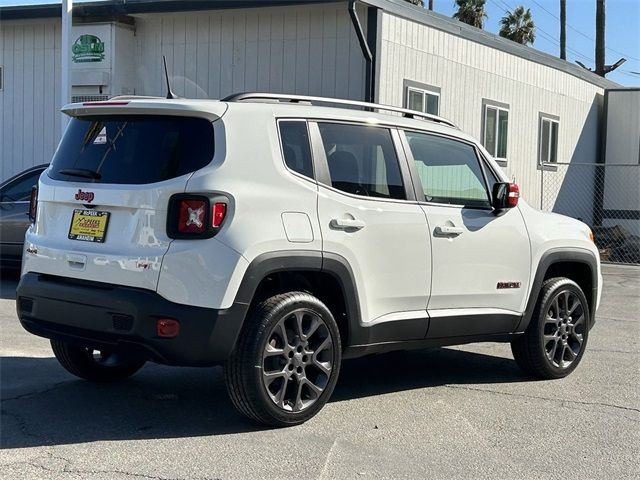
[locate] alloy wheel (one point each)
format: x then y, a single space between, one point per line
297 360
564 329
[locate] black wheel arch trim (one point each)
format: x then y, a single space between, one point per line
300 261
547 260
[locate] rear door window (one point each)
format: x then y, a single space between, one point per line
362 160
295 146
132 149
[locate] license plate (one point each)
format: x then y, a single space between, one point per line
88 225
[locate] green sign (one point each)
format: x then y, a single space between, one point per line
87 48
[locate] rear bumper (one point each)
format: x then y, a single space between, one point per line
105 316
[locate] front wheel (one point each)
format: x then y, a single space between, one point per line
286 363
556 338
95 365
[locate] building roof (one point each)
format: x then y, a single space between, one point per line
114 8
441 22
84 8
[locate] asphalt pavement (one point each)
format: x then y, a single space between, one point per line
459 412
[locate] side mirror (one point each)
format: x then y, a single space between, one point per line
505 195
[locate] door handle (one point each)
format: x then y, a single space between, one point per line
346 224
446 230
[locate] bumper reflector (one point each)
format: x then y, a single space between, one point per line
167 328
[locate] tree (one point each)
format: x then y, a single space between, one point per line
518 26
420 3
471 12
563 29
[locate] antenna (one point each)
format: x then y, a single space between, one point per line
170 94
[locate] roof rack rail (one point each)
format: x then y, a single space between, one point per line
238 97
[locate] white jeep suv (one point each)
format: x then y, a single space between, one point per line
277 237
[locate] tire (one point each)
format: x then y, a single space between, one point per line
556 338
286 361
95 365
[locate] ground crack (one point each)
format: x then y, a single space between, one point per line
33 394
560 400
22 424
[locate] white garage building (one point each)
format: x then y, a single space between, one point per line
529 108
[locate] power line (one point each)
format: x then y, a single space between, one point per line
545 35
584 34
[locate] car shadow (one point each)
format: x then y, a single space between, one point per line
53 408
9 278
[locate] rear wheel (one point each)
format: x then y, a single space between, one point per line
287 360
555 340
95 365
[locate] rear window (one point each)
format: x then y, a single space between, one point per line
132 149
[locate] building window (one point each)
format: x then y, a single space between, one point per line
423 100
548 149
496 126
421 97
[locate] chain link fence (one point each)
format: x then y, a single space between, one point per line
604 196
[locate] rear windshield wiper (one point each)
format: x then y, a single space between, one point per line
81 172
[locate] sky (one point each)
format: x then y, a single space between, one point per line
622 29
622 34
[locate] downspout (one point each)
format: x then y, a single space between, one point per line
369 91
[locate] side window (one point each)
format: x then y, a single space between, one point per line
548 151
496 126
296 150
449 171
20 188
362 160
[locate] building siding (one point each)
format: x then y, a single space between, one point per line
30 98
622 158
468 72
305 50
309 50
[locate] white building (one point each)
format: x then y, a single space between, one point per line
528 107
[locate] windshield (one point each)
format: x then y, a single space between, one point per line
132 149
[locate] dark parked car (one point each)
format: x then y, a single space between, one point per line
14 214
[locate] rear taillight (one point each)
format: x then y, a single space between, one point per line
192 216
195 216
33 203
514 195
218 212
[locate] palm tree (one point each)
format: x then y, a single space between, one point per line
471 12
518 26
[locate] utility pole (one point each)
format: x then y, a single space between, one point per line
600 22
563 29
430 4
65 46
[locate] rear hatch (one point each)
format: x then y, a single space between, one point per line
102 204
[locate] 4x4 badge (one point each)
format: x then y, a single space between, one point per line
85 196
502 285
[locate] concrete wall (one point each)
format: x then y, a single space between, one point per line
467 72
